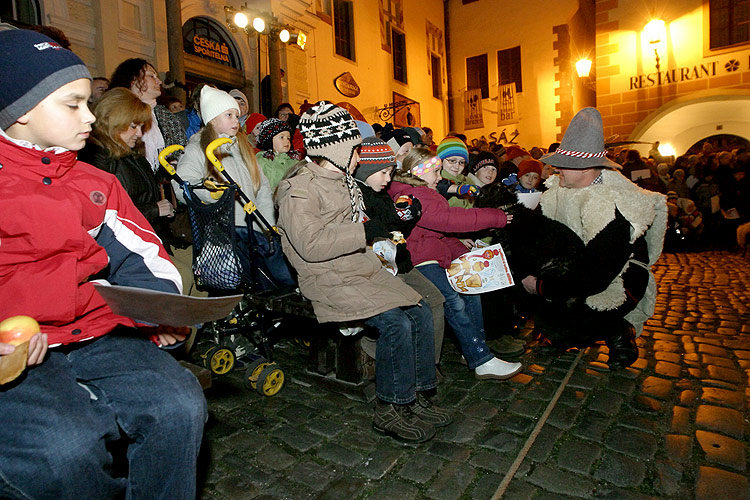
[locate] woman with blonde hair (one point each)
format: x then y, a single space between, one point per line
220 113
114 146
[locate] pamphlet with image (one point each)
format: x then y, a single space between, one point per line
480 270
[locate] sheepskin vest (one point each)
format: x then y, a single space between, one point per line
588 210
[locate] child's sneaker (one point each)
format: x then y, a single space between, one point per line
430 412
400 422
497 369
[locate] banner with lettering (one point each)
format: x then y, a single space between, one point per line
507 105
473 117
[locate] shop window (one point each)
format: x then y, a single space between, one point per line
398 42
476 75
509 67
24 12
437 72
730 22
343 27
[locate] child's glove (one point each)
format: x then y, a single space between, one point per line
469 189
408 207
374 229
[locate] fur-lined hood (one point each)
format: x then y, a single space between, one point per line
408 179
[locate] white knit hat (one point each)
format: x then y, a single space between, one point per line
214 102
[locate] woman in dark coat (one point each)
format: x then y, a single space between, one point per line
121 120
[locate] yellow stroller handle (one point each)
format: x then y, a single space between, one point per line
210 151
163 157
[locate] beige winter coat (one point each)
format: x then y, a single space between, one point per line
344 280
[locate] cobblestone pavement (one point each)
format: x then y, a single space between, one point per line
673 426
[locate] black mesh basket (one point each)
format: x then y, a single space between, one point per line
216 264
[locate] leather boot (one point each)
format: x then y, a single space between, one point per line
623 351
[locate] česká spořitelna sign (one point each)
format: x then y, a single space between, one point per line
211 49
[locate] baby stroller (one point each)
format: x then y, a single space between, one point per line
219 268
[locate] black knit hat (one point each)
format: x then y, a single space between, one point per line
270 128
330 132
374 156
483 159
32 66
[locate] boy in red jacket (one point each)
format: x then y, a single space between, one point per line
93 377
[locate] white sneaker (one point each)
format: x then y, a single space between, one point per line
497 369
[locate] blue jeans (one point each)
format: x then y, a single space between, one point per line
464 315
260 254
404 354
55 437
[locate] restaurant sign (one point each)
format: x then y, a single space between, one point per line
684 74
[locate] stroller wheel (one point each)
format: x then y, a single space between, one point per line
252 372
220 360
270 380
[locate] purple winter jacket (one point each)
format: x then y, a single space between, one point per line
432 238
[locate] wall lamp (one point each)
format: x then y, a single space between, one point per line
583 69
655 31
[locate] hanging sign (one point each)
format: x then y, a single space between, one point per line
346 85
473 117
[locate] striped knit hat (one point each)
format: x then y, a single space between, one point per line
452 146
32 66
329 132
582 145
374 156
270 128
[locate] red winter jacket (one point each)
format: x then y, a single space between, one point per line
432 238
64 224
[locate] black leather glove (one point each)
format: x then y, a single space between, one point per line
374 229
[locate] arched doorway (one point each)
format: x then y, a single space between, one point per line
685 121
720 142
211 55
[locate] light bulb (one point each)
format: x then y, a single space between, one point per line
240 20
259 24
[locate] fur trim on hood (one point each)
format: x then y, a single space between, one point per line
408 179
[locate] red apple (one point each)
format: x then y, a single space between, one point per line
18 329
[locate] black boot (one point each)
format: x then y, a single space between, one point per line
623 351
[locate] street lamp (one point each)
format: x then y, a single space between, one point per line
259 24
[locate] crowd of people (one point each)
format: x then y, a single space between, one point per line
334 188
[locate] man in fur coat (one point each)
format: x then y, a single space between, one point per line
610 291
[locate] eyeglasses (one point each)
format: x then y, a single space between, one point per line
456 162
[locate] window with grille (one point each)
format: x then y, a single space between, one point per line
398 42
729 22
509 67
476 75
343 27
437 73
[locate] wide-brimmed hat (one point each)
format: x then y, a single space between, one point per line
583 144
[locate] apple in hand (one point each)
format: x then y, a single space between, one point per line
18 329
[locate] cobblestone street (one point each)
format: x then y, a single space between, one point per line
672 426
